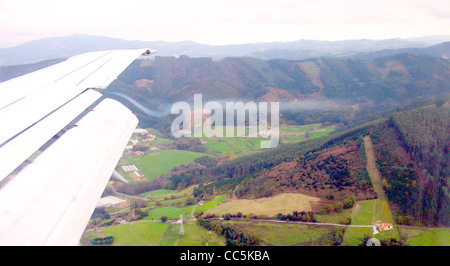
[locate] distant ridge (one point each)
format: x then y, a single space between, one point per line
441 50
62 47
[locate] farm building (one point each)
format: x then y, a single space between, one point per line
385 227
119 221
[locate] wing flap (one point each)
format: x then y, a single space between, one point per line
63 184
51 199
32 139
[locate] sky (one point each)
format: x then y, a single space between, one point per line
219 22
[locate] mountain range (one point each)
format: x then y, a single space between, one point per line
63 47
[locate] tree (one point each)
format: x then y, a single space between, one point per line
163 219
338 206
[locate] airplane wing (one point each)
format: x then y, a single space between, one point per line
59 145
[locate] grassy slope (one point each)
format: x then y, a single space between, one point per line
155 233
284 203
423 236
158 163
368 212
285 234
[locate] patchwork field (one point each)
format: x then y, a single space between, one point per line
284 203
367 213
423 236
245 145
204 207
155 233
155 164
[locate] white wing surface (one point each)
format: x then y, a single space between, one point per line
49 198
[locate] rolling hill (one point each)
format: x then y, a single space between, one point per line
412 159
393 78
66 46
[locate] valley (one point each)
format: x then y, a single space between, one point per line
363 152
268 207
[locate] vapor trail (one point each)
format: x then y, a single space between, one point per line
144 109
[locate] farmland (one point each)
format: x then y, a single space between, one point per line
165 155
156 233
154 164
423 236
281 234
260 216
283 203
245 145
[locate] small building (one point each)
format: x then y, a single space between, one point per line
138 178
153 149
202 141
119 221
385 227
139 153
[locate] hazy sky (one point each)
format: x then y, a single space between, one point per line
223 21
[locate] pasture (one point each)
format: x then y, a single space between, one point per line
426 236
155 233
285 234
284 203
155 164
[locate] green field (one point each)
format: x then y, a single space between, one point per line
240 146
245 145
367 213
204 207
424 236
162 194
336 217
285 234
355 235
170 211
363 212
132 234
155 164
289 133
155 233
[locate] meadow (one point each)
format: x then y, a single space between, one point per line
425 236
155 164
284 203
156 233
367 213
285 234
241 146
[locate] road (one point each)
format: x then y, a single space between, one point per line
299 222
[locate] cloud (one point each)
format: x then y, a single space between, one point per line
223 22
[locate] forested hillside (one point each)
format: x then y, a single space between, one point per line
384 80
310 91
252 166
413 157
